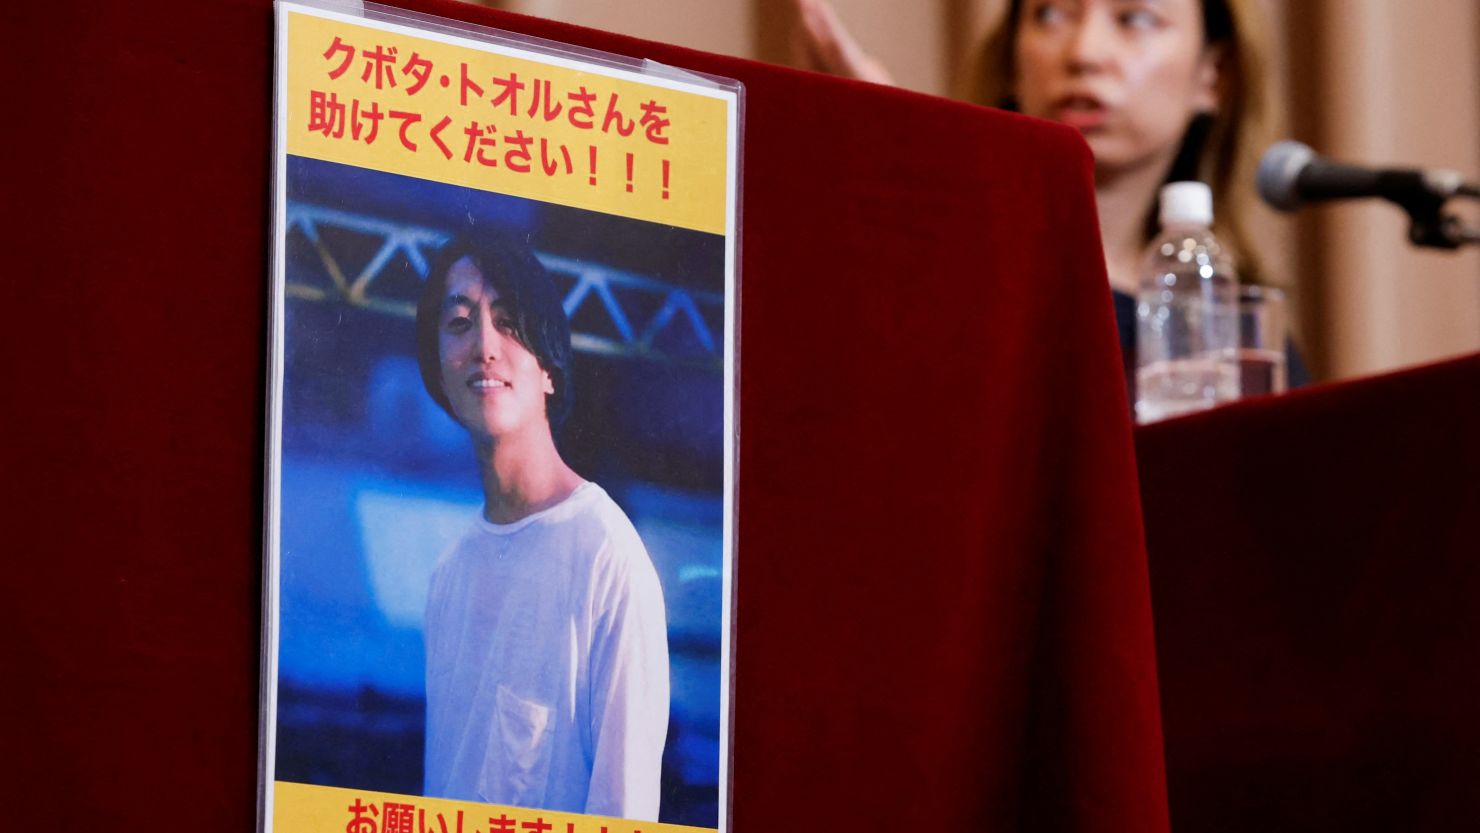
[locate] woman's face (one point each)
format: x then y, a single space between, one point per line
1128 74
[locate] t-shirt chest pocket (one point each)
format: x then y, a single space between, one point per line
517 764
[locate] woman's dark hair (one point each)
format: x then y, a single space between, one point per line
527 293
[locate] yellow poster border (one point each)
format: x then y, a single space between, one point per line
309 808
604 138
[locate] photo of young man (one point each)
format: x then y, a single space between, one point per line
547 668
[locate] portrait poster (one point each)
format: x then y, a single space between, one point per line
501 431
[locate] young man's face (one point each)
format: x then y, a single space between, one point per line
495 385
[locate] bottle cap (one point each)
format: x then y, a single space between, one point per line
1186 203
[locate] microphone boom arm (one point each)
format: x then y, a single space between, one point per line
1291 174
1429 225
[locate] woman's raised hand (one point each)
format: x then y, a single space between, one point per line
824 44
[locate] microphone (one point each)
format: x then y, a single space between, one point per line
1291 175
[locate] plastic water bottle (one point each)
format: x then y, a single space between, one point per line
1186 312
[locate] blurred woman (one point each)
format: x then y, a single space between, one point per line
1161 90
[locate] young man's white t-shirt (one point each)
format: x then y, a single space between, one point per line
547 664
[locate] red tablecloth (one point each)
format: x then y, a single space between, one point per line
1315 572
943 607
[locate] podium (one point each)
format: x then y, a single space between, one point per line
1315 605
943 611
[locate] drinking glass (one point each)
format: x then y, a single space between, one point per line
1262 338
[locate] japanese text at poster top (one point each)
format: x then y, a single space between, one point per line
486 118
501 434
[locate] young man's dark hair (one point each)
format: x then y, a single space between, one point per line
526 291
